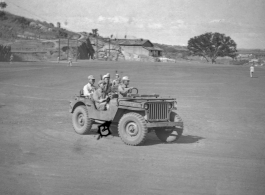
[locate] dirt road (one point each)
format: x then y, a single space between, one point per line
222 150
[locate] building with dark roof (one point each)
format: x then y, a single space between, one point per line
138 46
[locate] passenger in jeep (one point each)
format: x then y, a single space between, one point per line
100 101
123 87
108 85
89 88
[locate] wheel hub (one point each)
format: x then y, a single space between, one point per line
132 129
81 120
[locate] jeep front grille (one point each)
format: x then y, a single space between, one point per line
158 111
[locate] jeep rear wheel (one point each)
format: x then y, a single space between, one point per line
132 129
170 134
81 122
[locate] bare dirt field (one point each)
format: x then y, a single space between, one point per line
222 150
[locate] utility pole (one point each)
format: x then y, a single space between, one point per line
97 45
76 50
109 44
68 48
59 26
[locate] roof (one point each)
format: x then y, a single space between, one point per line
134 42
153 48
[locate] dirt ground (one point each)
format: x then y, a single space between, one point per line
222 150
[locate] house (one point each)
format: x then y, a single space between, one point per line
138 46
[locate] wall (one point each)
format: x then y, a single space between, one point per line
139 50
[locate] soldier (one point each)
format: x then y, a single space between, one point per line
251 69
107 90
116 81
89 88
11 58
123 87
70 62
100 101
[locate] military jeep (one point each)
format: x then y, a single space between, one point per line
134 115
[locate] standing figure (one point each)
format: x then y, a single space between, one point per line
11 58
70 62
251 69
89 88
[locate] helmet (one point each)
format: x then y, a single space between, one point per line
125 78
91 77
106 76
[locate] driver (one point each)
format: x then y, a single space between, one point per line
123 88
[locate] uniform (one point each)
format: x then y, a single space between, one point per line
88 89
251 71
116 82
97 96
123 91
108 86
107 89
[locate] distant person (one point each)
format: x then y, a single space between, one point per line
58 59
11 58
251 69
70 61
89 88
100 101
123 88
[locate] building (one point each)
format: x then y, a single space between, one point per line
138 46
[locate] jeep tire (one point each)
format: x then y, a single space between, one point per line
81 122
132 129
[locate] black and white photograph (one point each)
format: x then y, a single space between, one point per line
132 97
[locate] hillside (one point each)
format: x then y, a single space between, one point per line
13 27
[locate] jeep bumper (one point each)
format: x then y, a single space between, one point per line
164 124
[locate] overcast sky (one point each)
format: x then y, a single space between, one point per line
171 22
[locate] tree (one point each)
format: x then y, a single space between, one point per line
212 45
3 5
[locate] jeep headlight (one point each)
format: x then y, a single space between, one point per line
146 106
169 106
175 105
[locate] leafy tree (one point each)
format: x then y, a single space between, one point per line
212 45
3 5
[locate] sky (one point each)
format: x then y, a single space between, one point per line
171 22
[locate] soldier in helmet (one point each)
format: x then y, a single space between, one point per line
123 88
116 81
89 88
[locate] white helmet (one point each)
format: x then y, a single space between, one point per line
125 78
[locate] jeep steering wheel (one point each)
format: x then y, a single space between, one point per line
130 91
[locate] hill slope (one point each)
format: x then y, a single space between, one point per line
15 27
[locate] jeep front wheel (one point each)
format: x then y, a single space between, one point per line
132 129
81 122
